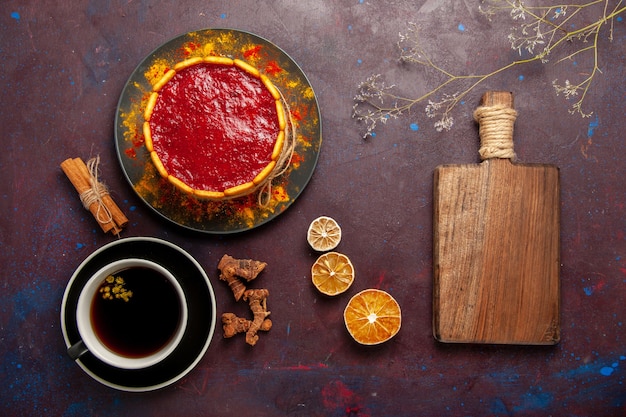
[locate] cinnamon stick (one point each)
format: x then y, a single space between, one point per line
118 216
78 174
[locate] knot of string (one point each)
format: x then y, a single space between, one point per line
283 161
496 131
96 192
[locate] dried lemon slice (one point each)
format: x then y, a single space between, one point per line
332 273
372 317
324 234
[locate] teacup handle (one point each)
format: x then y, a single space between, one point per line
77 350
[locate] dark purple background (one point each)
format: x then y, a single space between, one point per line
63 67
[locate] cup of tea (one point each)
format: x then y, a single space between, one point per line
130 314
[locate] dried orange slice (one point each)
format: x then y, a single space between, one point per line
332 273
372 317
324 234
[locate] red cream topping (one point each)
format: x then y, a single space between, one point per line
214 126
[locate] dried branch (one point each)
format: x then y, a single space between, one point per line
539 33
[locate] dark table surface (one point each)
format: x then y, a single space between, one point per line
64 65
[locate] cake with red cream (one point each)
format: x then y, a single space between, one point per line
215 127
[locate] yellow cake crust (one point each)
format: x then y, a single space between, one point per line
240 189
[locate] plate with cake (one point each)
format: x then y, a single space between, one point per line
218 130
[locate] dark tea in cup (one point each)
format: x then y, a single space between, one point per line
131 314
136 312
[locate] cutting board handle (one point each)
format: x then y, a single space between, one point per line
496 117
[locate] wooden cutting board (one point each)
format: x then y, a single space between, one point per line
496 242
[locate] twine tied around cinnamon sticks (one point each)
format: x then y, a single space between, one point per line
496 131
94 194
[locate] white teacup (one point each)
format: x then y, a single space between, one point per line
125 335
